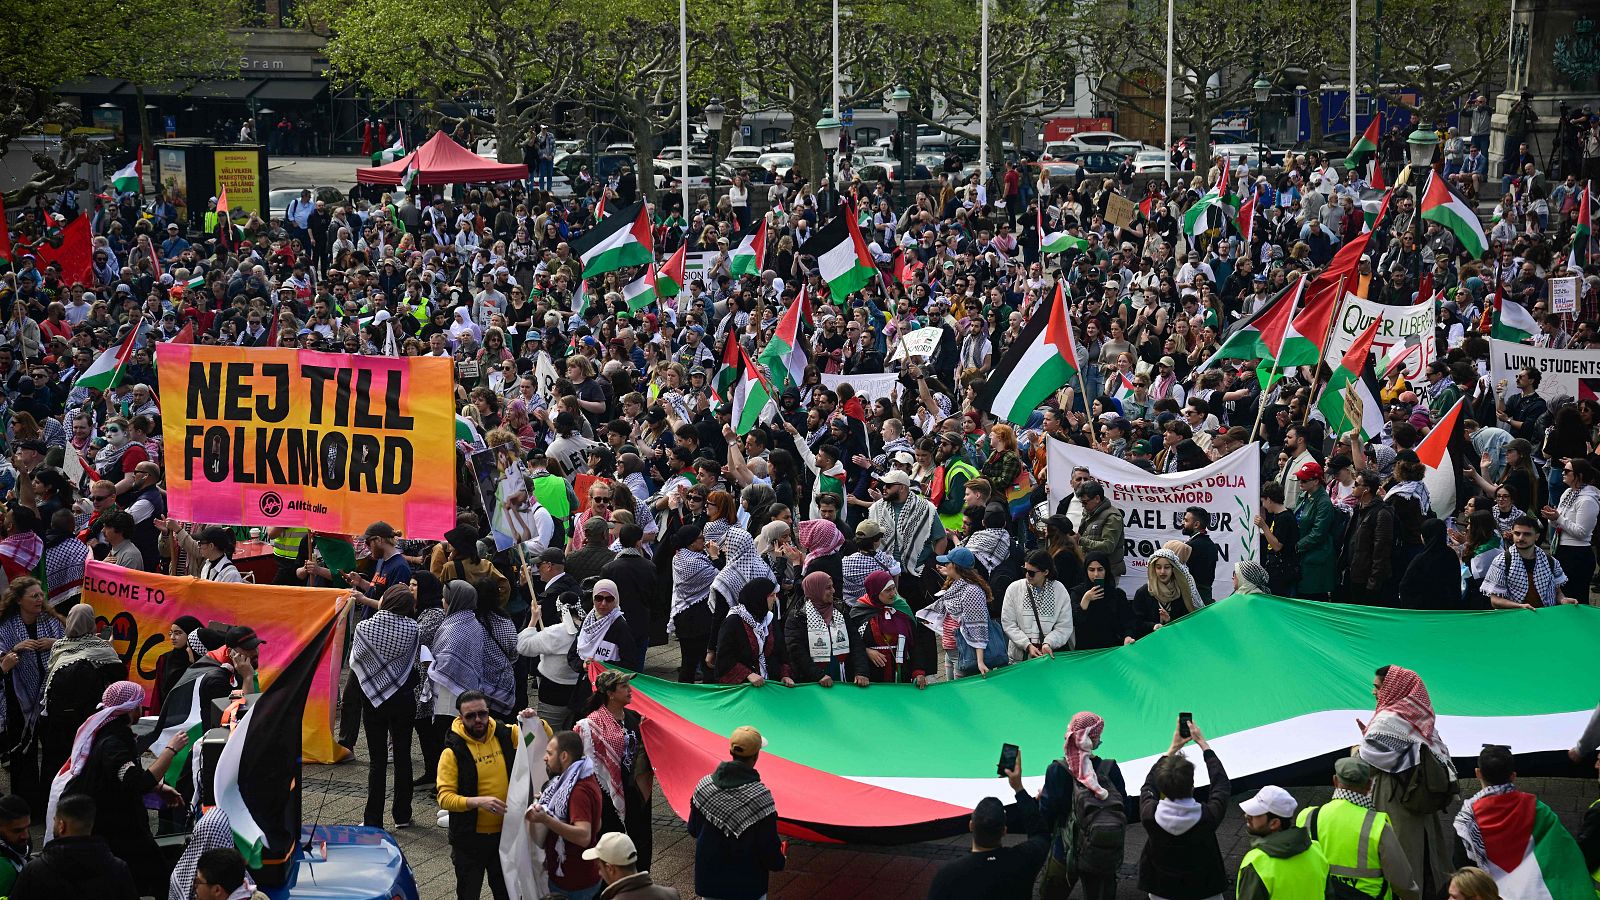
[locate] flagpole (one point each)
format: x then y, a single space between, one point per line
983 99
683 100
1350 105
1318 384
838 111
1167 170
1261 405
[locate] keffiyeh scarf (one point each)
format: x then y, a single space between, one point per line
905 530
556 796
1466 823
384 654
692 575
741 565
1405 711
1508 577
605 742
592 643
119 699
27 677
991 546
20 553
1362 800
1083 735
732 808
827 636
458 653
819 537
761 630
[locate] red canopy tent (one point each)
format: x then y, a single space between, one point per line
443 161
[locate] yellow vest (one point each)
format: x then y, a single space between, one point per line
1303 876
1350 836
956 466
287 544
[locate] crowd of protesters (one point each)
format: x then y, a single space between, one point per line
900 536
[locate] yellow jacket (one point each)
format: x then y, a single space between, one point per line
492 769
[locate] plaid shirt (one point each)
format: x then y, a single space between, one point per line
857 566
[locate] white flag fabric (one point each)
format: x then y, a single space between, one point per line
868 387
521 847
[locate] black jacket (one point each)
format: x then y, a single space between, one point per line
735 868
1369 546
1105 623
796 636
1185 866
636 584
1004 872
563 583
1203 563
117 787
75 867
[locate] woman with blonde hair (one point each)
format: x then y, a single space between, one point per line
1473 883
1169 593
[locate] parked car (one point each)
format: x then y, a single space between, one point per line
1131 148
1084 140
669 172
746 155
1149 161
1095 162
784 162
889 170
278 199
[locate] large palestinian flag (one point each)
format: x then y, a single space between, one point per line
260 764
842 257
889 763
1443 205
617 242
1039 363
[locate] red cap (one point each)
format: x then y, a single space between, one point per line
1309 471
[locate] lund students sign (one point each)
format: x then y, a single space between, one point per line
329 441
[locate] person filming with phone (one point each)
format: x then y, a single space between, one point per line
993 870
1181 858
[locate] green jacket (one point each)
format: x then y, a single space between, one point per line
1102 531
1316 519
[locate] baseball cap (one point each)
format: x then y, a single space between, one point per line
1309 471
1142 448
1270 799
869 529
951 437
380 530
904 457
1167 361
242 637
894 476
610 680
554 555
746 742
614 848
960 556
1353 770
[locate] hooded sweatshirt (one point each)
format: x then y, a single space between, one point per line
1279 845
1181 859
492 780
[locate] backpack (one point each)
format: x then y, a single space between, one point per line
1430 786
1097 826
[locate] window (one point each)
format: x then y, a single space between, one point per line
866 134
771 136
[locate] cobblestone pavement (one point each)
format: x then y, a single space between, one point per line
336 794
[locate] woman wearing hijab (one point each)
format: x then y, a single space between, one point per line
824 545
612 740
775 543
105 763
458 664
82 665
1401 736
463 328
691 618
499 656
1251 577
750 645
604 635
1168 595
1079 769
1101 615
429 594
1036 613
897 649
177 660
823 648
383 661
1433 579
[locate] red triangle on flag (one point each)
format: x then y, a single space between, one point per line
75 255
1433 447
1355 359
1275 321
1058 331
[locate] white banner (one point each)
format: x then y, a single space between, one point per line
1153 505
1401 325
1564 294
1575 373
868 387
921 342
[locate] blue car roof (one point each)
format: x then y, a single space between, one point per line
347 862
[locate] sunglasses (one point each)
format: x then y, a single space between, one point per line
1032 572
475 716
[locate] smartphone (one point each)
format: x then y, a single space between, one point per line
105 632
1183 724
1008 758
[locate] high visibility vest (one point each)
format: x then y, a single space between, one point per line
1303 876
287 544
952 521
551 492
1350 836
1595 875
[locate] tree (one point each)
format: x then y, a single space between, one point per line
1219 49
520 56
1444 50
1028 47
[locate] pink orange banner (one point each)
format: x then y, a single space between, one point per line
141 606
295 438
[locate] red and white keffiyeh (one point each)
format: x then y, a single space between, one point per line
1403 696
118 700
1083 735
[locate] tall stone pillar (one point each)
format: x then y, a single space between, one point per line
1554 64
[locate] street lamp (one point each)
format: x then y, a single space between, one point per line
1420 145
828 129
714 114
1263 89
900 104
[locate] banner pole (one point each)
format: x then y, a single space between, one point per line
1317 382
1261 405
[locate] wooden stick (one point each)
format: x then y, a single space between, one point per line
1316 381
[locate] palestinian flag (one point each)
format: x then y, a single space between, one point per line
408 178
751 252
1350 399
260 763
1265 730
1371 202
106 371
580 298
183 712
1448 208
670 277
1440 470
842 257
1512 321
1585 226
778 214
466 432
1119 386
1261 334
1039 363
785 355
722 383
1365 146
617 242
641 291
1194 221
1523 846
751 395
1059 242
130 178
1247 217
1308 330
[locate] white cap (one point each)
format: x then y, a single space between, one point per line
614 848
894 476
1270 799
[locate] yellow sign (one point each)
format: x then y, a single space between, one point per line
240 172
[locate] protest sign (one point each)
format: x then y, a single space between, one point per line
295 438
868 387
1120 211
921 342
1401 325
1575 373
141 606
1564 294
1152 505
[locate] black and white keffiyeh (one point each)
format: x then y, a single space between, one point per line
27 678
1466 822
1508 577
1362 800
857 566
991 546
741 565
966 602
592 643
557 795
213 831
458 653
499 654
733 809
761 629
692 575
906 530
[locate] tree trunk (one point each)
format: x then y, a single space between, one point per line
644 137
144 124
507 132
1200 120
1314 133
